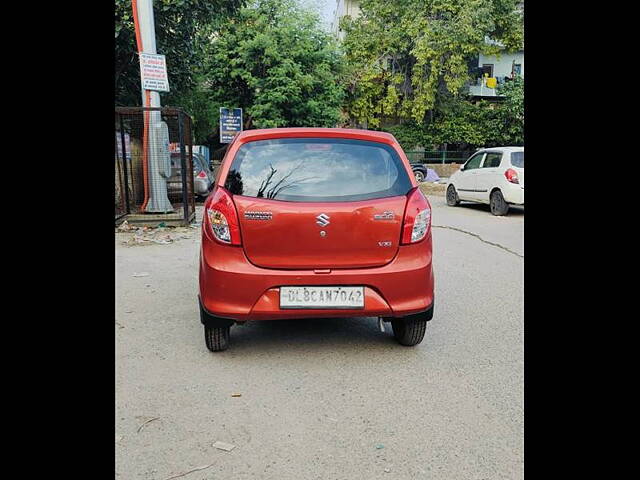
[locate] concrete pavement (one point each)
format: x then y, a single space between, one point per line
326 399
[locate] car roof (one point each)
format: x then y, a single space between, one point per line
503 149
297 132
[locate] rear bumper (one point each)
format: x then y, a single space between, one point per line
514 194
201 186
231 287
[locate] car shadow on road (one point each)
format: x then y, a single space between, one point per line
311 333
514 211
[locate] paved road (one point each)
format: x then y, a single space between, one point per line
474 218
327 399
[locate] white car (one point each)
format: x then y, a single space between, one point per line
494 176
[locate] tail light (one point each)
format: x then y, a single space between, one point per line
202 174
221 218
417 218
512 176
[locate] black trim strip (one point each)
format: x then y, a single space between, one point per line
466 190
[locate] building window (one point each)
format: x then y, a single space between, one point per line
517 69
488 69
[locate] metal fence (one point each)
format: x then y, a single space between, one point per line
154 163
439 156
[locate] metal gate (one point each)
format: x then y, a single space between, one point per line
156 180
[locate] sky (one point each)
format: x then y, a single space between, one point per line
324 7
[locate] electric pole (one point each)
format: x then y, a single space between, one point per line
156 132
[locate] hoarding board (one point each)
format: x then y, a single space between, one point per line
153 72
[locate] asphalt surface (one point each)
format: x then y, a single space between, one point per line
326 399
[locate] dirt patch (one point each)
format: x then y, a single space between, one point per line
131 235
444 170
429 188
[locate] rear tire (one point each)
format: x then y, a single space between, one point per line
419 176
216 338
452 196
498 205
409 331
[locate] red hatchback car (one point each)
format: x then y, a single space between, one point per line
315 222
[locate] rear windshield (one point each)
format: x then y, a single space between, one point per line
198 162
317 170
517 159
176 162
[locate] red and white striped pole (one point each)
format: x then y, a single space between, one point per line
155 189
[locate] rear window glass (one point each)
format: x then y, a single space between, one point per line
317 170
198 162
176 162
517 159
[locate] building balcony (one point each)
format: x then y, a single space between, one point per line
486 87
481 90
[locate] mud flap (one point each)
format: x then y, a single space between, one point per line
426 315
211 320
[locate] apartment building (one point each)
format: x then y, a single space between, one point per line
493 70
488 70
343 7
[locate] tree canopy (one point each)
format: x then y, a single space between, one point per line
404 63
274 61
406 56
512 111
178 25
464 124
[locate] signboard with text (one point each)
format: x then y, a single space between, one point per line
127 144
153 72
230 123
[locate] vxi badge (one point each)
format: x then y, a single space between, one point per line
384 216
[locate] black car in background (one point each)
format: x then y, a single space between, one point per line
419 171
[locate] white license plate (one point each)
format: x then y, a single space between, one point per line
323 297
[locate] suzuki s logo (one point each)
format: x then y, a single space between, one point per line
323 219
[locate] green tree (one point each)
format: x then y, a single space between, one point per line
463 124
411 135
179 25
274 61
405 56
481 124
511 111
